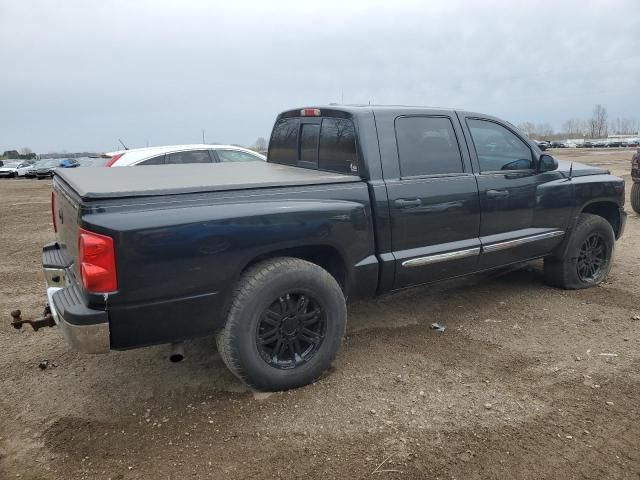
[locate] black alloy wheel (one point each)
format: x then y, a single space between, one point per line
291 330
592 257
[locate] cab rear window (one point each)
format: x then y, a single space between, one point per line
321 143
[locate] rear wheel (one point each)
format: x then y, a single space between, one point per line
285 324
588 256
635 197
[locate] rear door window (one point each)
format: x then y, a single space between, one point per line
427 146
235 156
159 160
189 156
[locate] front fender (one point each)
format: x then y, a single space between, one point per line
590 191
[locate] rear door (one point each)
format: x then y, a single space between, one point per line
433 197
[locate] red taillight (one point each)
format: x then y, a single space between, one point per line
310 112
113 159
97 262
53 212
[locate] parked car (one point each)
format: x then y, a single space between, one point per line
558 144
599 143
46 168
353 202
635 178
542 145
180 154
14 169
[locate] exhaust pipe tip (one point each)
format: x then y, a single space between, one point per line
177 352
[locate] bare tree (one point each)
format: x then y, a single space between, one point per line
537 131
25 151
544 130
598 122
260 144
624 126
573 127
528 128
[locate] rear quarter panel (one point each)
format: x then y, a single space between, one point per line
179 259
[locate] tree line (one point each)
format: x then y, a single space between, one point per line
25 153
597 126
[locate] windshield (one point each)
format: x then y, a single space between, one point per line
11 164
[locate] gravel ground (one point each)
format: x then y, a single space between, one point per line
526 382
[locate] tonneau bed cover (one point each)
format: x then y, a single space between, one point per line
152 180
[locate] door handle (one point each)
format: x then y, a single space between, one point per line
404 203
497 193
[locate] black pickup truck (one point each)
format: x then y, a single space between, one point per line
352 203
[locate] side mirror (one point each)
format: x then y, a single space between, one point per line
547 163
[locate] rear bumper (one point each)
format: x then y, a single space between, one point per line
85 329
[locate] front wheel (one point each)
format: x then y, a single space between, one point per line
588 257
635 197
285 324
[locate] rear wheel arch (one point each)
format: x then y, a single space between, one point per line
325 256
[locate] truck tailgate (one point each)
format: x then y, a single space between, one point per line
65 210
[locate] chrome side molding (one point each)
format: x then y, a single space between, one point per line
494 247
441 257
470 252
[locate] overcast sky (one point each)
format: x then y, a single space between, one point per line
78 75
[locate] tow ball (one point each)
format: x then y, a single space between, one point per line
45 321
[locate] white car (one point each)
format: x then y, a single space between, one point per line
12 169
178 154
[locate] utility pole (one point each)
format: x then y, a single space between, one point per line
203 136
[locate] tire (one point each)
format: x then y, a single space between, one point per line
635 197
588 256
305 307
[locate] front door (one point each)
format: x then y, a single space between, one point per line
517 222
433 201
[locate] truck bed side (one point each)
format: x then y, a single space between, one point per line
178 257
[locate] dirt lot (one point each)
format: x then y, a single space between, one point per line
526 382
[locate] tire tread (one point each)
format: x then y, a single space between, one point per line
558 272
635 197
250 282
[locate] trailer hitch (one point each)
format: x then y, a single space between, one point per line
45 321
